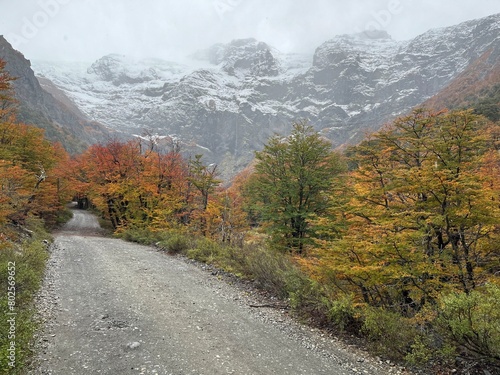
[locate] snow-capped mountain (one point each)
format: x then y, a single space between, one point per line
226 100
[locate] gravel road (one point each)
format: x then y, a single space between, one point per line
112 307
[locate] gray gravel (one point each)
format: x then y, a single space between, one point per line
112 307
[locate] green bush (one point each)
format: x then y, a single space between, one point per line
309 299
175 243
426 348
63 217
138 235
390 335
271 270
342 312
205 250
471 323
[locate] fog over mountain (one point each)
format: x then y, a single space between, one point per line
171 29
231 97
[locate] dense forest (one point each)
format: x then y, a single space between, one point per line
396 239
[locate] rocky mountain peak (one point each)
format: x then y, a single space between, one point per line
355 46
244 57
120 69
373 34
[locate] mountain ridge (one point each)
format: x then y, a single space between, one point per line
236 95
48 107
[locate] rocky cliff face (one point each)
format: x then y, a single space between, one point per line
48 107
228 100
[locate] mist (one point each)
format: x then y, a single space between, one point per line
85 30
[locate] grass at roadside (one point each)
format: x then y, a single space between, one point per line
22 266
23 258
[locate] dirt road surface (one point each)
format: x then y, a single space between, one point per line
117 308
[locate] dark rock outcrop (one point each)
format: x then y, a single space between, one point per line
48 108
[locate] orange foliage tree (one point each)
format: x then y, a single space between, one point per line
113 172
137 186
29 166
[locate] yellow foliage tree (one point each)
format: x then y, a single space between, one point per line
423 215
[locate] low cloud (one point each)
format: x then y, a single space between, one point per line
89 29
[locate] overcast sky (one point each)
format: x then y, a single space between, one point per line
86 30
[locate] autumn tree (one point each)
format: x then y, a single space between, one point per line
134 185
31 196
293 176
202 183
423 216
7 100
163 187
114 172
234 221
29 184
